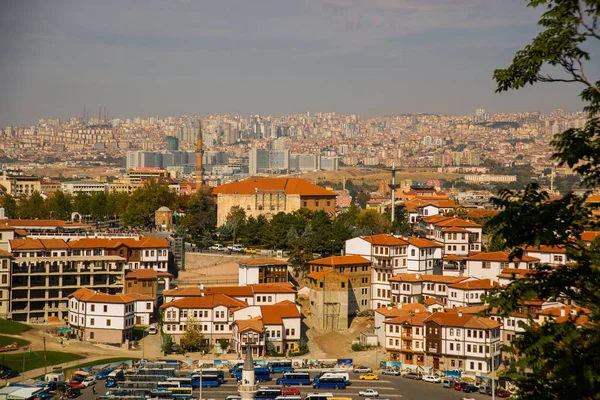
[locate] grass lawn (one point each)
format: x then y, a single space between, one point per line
12 327
6 340
35 359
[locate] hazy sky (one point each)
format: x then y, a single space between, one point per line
168 57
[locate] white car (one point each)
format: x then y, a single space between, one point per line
362 370
389 371
431 379
218 247
368 393
152 330
89 381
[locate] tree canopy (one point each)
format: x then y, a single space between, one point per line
557 359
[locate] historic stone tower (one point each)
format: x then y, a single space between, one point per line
247 387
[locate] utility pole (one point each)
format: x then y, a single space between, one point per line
200 387
45 359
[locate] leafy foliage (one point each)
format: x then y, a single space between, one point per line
192 336
558 359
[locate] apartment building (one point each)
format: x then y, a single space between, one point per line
262 270
405 338
388 255
278 326
5 261
340 288
384 313
552 255
413 288
469 292
454 340
45 272
423 256
147 282
212 312
101 317
490 265
458 236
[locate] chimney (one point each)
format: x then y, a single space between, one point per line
389 308
563 312
202 286
459 314
418 276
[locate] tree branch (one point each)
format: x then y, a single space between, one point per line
591 29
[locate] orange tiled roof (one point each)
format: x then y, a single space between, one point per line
287 185
254 324
5 254
273 314
502 256
341 260
321 274
262 261
184 292
42 222
277 287
455 229
423 243
456 222
479 284
463 320
95 243
431 301
384 239
401 310
545 249
206 301
92 296
415 319
143 274
589 236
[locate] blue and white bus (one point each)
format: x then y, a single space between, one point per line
261 374
294 378
167 385
207 380
334 374
264 393
280 366
210 371
183 382
330 383
114 377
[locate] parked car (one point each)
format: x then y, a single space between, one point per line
459 385
251 251
104 373
369 377
362 370
9 373
368 393
152 330
413 375
89 381
470 389
73 392
485 390
290 392
236 248
431 379
218 247
448 382
503 393
390 371
76 385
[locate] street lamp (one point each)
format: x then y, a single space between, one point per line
376 347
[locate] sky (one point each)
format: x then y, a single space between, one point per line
269 57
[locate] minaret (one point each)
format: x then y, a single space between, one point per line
393 186
199 154
247 386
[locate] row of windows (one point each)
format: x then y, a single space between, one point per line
384 293
150 253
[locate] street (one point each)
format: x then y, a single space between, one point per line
392 387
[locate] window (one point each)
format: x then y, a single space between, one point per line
91 335
108 322
479 366
486 265
451 346
451 332
105 308
468 347
92 322
93 307
343 285
148 306
472 366
391 342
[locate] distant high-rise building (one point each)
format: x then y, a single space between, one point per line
172 143
330 163
427 141
258 159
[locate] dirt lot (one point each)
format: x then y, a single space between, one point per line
209 269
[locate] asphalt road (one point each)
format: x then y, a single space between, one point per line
390 387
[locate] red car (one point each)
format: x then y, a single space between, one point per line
459 385
76 385
290 392
503 393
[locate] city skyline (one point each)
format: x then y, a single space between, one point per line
370 58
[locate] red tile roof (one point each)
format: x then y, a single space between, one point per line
479 284
384 239
463 320
275 313
423 243
401 310
254 324
92 296
414 319
321 274
502 256
545 249
589 236
287 185
281 287
146 274
206 301
455 230
5 254
427 278
341 260
456 222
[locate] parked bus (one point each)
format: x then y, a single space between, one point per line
288 397
330 383
294 378
210 371
114 377
183 382
261 374
337 374
264 393
167 385
206 380
280 366
318 396
182 393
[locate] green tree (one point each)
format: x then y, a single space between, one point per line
373 222
192 335
557 359
167 343
10 205
81 203
362 198
60 205
33 207
201 218
235 220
